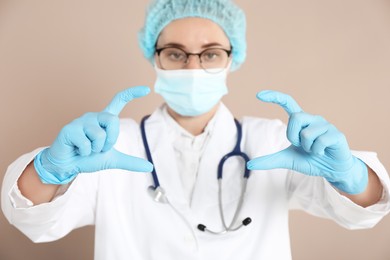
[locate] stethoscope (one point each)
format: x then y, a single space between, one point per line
158 193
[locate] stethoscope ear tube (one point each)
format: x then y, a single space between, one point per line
245 222
236 152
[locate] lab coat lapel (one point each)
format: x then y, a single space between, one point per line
160 145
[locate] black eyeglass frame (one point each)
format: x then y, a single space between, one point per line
199 54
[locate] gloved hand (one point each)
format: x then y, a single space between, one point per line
318 149
86 145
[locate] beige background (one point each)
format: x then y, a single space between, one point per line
59 59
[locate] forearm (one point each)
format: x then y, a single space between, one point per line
33 189
371 195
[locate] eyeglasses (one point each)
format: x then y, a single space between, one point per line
212 60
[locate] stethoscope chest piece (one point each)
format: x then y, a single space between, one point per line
157 194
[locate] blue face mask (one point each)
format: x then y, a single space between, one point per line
191 92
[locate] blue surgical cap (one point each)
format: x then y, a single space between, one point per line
223 12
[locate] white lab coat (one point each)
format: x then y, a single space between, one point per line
130 225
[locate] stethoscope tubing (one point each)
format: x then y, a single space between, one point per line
236 152
148 153
158 192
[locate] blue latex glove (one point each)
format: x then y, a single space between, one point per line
86 145
318 149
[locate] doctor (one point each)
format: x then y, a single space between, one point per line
182 211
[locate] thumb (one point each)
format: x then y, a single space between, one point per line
114 159
281 159
126 162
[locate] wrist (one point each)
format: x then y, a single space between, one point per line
46 176
355 180
32 188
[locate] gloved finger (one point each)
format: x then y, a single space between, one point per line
311 133
298 122
113 159
332 139
97 136
281 99
130 163
122 98
281 159
74 136
110 124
